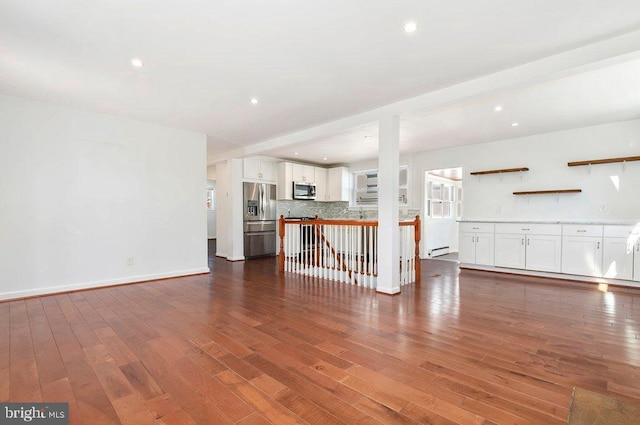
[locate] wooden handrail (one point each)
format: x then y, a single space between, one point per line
336 222
503 170
603 161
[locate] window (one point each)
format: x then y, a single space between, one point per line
443 200
365 191
211 199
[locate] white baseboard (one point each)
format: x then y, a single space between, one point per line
559 276
99 283
239 258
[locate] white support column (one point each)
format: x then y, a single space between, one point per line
388 231
236 236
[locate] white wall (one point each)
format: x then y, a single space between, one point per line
84 195
491 197
211 172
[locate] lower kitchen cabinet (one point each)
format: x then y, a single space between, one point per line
582 249
617 259
528 246
476 243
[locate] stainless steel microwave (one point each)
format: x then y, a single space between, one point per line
304 190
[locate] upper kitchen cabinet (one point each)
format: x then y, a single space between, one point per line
320 179
303 173
288 172
260 169
338 184
332 184
285 177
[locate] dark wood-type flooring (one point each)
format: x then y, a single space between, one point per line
244 345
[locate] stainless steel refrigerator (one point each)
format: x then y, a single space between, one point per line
259 219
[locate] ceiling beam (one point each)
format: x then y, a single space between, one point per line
620 49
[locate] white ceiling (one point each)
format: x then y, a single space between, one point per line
311 63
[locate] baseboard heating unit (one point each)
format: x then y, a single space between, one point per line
436 252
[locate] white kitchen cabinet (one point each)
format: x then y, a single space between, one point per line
288 172
617 259
285 179
528 246
320 179
582 249
338 184
476 243
303 173
259 169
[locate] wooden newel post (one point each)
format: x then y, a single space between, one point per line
281 254
416 237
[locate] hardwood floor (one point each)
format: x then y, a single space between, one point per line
247 346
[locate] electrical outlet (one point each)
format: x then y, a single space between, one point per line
499 209
130 261
603 208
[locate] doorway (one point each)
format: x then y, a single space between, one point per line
211 209
443 202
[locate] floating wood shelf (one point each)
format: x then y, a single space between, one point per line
545 192
603 161
504 170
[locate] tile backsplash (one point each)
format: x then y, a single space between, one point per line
333 210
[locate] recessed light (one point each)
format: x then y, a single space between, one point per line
137 62
410 27
254 100
367 137
324 159
514 124
498 108
295 153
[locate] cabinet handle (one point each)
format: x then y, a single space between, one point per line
526 230
598 246
638 247
475 228
522 241
473 239
581 231
528 242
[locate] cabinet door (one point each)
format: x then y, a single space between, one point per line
251 168
302 173
467 248
338 184
320 179
259 169
484 249
285 187
582 255
543 253
510 250
617 263
268 170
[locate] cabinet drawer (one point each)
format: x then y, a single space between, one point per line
477 227
616 231
582 230
529 228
